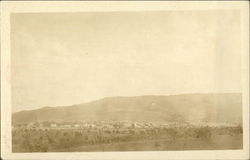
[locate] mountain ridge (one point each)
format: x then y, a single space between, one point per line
205 107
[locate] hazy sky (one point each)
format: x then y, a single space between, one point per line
62 59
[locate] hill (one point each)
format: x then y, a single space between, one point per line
191 108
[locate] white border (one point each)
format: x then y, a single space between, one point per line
90 6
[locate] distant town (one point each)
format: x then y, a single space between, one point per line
113 125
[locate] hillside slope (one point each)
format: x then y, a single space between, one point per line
218 108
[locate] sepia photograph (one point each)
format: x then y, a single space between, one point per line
122 81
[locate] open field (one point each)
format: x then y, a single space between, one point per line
150 139
218 143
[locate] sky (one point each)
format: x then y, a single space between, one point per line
60 59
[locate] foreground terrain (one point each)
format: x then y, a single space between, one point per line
126 139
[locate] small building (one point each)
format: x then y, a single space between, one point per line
53 125
126 125
66 126
76 125
109 126
30 125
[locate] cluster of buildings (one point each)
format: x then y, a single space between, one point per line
108 125
86 125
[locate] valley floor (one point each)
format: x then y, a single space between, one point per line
147 140
221 142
